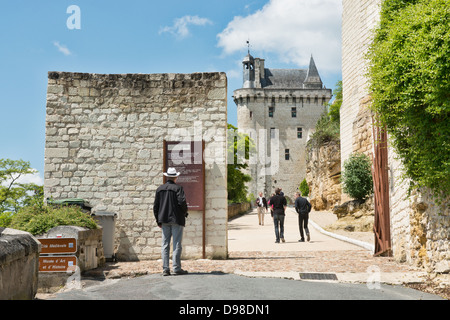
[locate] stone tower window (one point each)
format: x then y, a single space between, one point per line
299 133
293 112
271 110
286 154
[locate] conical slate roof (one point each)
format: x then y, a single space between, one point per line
313 75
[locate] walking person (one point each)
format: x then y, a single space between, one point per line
261 204
279 203
170 210
303 207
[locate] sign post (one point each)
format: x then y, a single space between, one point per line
187 157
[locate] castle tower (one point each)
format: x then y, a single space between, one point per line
279 109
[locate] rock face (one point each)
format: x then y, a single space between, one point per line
355 215
322 174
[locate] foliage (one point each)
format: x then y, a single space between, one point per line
5 219
328 127
304 188
22 204
238 145
357 176
335 107
409 76
38 219
14 195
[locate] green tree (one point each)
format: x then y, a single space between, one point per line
409 77
335 107
14 195
328 126
357 176
238 145
304 188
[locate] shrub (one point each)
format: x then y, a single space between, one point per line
304 188
38 219
357 176
5 219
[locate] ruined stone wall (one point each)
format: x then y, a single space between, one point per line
104 143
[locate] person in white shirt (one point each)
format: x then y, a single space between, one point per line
261 205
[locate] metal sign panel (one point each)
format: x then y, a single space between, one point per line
58 245
57 263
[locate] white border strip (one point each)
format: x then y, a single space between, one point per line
363 244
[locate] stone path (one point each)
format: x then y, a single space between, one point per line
253 252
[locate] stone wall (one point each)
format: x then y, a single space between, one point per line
359 19
19 265
419 225
323 172
235 209
104 143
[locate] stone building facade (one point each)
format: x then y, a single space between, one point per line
279 109
419 227
104 143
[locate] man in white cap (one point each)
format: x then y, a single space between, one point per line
170 210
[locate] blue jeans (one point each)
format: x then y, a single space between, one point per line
174 231
278 219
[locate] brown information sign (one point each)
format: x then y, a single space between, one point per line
58 245
57 263
187 157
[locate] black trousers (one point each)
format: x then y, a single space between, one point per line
303 223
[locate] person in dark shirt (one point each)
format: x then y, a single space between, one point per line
170 211
303 207
278 204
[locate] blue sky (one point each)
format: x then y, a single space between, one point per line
137 36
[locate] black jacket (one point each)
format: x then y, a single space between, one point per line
264 202
170 204
302 205
277 202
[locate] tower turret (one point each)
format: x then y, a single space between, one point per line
249 71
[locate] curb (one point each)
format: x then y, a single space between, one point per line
371 278
362 244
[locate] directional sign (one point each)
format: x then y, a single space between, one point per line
57 263
58 245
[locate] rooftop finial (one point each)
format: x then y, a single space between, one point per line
248 45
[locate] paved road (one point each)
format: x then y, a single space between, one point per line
244 235
219 286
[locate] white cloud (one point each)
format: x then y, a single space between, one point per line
180 27
62 48
293 30
27 178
